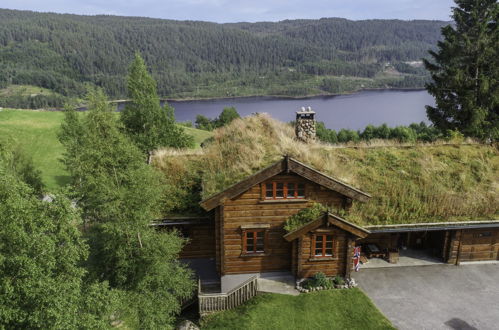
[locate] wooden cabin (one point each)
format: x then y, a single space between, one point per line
244 232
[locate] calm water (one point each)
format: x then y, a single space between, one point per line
345 111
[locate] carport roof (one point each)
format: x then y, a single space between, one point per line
433 226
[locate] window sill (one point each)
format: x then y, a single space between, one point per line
322 259
277 201
261 254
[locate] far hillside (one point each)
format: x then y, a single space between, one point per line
409 183
192 59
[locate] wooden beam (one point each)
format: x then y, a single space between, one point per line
326 181
349 257
459 248
222 239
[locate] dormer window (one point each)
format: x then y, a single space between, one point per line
284 190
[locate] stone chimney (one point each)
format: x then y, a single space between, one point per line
305 124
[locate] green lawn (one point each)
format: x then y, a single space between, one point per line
336 309
36 132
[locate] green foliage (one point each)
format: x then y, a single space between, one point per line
227 115
338 280
320 279
41 251
17 160
331 309
149 125
200 59
120 195
465 71
304 216
346 135
325 134
411 133
204 123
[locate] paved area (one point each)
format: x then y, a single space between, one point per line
435 297
283 284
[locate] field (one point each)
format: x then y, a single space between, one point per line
337 309
36 133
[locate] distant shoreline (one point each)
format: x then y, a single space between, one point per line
298 97
83 107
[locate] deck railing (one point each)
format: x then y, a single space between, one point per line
215 302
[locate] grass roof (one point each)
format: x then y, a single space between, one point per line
409 184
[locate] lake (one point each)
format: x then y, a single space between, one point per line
355 111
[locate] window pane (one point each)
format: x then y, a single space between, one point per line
249 241
259 246
329 245
279 190
318 252
291 190
329 252
259 234
301 190
269 193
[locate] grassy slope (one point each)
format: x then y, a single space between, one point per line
408 184
337 309
24 90
36 132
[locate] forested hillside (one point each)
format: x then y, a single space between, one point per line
198 59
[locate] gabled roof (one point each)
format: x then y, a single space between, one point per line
287 164
324 219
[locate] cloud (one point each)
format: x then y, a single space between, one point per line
239 10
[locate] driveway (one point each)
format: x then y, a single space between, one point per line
435 297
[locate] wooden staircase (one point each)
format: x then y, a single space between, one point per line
216 302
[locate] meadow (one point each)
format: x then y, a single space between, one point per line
36 133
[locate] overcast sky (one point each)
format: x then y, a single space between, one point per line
249 11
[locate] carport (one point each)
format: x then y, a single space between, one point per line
429 244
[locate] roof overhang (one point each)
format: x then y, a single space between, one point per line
434 226
179 221
288 165
327 218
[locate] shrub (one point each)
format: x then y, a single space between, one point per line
320 279
338 280
304 216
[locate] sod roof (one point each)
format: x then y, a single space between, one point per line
408 183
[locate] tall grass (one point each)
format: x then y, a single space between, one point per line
409 183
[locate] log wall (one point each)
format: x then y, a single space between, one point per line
308 265
250 209
201 241
479 245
